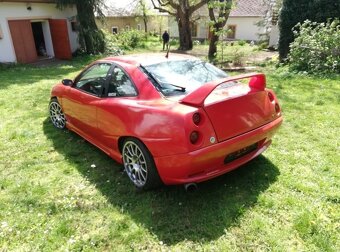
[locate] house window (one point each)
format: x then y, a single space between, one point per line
127 27
114 29
194 30
231 31
139 27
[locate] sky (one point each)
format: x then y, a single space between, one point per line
118 3
123 5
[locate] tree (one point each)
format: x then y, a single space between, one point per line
218 22
143 11
90 38
182 10
293 12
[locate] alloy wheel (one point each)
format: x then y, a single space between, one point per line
135 163
57 115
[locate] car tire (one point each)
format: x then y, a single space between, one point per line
139 165
57 115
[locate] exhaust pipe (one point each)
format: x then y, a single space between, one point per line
191 187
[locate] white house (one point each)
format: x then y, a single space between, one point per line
242 22
35 29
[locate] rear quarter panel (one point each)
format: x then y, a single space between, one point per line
162 125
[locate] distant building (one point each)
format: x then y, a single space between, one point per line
35 29
242 22
118 20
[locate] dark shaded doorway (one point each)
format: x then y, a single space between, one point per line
39 39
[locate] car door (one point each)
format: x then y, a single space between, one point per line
80 103
113 110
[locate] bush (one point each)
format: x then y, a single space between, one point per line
236 56
126 40
130 39
241 42
263 45
293 12
111 44
316 48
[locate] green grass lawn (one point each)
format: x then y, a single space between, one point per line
51 199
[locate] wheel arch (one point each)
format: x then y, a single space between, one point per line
122 139
153 174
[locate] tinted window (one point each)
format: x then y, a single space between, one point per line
120 84
183 76
93 79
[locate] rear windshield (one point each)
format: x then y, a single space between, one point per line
180 77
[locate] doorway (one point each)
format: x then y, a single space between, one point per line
35 40
39 40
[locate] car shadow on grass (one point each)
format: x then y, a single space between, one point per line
170 213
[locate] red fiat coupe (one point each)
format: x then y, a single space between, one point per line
171 120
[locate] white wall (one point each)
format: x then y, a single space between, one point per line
246 28
39 11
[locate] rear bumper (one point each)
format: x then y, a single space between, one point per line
209 162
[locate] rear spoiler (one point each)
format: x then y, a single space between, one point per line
197 97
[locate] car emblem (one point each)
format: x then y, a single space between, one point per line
212 139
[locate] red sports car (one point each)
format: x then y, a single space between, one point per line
171 120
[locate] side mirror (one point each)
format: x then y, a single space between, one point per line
67 82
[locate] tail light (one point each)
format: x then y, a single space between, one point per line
272 100
271 96
277 108
194 136
196 118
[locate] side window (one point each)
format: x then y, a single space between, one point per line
120 84
93 80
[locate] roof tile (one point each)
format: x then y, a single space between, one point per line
249 8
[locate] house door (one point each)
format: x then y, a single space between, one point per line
60 39
23 40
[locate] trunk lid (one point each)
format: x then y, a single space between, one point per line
232 107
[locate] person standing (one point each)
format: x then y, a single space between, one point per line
166 39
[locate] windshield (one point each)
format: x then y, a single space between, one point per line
179 77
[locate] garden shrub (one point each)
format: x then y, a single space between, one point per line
236 56
263 45
130 39
127 40
241 42
111 44
316 48
293 12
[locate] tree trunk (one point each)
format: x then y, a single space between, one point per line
90 37
184 29
218 23
213 46
145 24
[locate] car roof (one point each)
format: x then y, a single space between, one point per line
146 59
